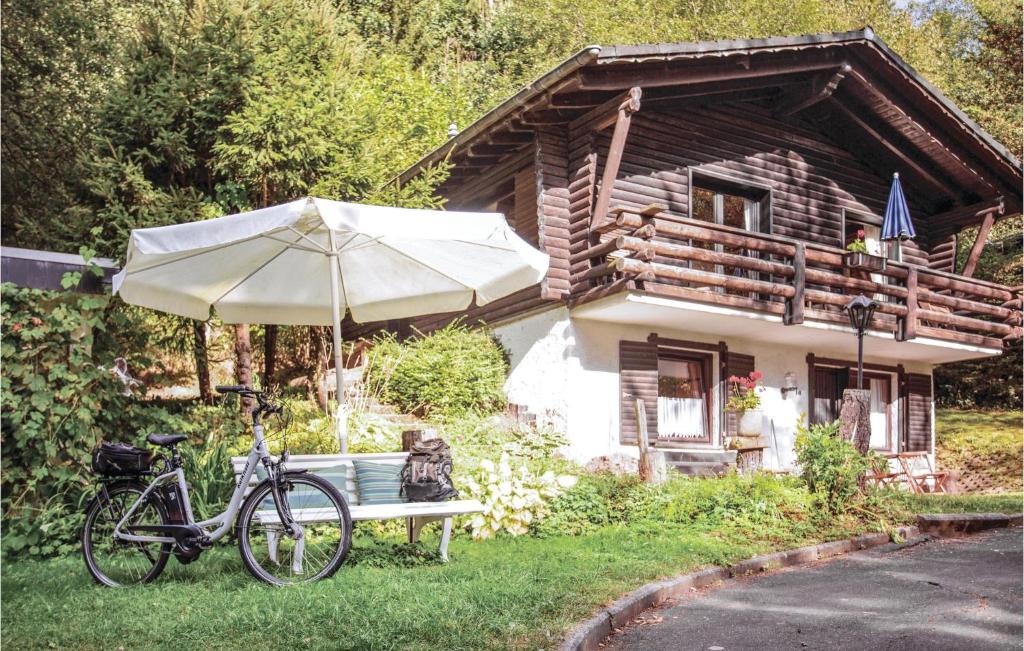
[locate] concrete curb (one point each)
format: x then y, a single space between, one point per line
588 635
958 524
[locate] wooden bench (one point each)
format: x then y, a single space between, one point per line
416 514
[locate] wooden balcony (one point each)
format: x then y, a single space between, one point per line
795 280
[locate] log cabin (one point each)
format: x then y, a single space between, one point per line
696 201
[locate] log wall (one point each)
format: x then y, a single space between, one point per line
813 182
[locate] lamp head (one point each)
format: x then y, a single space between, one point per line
861 309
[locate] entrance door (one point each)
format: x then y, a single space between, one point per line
684 396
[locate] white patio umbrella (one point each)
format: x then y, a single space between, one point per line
307 261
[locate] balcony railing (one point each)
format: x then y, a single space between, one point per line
700 261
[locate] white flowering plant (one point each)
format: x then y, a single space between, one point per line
512 499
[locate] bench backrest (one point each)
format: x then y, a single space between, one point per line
336 468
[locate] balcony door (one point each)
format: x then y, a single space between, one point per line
729 204
829 384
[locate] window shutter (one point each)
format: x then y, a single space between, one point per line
638 378
524 217
919 412
740 365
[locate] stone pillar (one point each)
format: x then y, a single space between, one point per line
855 418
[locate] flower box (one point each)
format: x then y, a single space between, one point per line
863 261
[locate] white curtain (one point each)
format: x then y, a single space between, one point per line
879 412
682 418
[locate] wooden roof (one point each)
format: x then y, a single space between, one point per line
849 83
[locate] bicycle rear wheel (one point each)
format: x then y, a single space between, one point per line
117 563
274 556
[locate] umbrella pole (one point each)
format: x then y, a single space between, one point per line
341 416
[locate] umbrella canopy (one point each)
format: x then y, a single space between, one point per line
307 261
897 224
274 265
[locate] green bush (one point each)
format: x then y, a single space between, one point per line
831 466
446 373
59 399
758 500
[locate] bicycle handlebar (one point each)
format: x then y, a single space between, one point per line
246 392
230 388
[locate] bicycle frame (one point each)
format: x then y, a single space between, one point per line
223 521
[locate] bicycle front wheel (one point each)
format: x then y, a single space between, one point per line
274 555
118 563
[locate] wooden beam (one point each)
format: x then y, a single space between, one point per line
908 324
618 144
620 77
947 223
509 138
795 306
746 84
819 92
545 117
979 244
603 116
580 99
892 148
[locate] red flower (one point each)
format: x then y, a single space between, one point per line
756 375
734 379
16 327
861 233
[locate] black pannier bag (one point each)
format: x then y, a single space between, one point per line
426 476
120 459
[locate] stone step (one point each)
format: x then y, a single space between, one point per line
699 468
715 456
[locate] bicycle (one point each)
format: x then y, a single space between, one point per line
132 528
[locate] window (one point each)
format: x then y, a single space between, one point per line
730 204
684 396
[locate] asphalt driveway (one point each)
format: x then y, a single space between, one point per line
941 594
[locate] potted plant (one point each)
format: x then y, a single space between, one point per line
745 404
857 256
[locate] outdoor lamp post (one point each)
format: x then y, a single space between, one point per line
861 309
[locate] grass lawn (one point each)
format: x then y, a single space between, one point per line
504 593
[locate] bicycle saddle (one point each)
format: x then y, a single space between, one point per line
166 440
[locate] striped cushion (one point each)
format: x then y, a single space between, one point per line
379 483
305 498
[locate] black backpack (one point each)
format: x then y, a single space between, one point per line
426 476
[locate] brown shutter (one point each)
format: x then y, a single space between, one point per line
919 412
638 378
735 364
524 217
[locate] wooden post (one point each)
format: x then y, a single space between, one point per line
618 144
411 437
644 466
979 244
908 324
795 306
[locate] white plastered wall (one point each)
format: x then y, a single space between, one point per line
566 371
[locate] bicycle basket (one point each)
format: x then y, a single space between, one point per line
120 459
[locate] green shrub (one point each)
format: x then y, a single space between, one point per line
831 466
446 373
59 399
758 500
